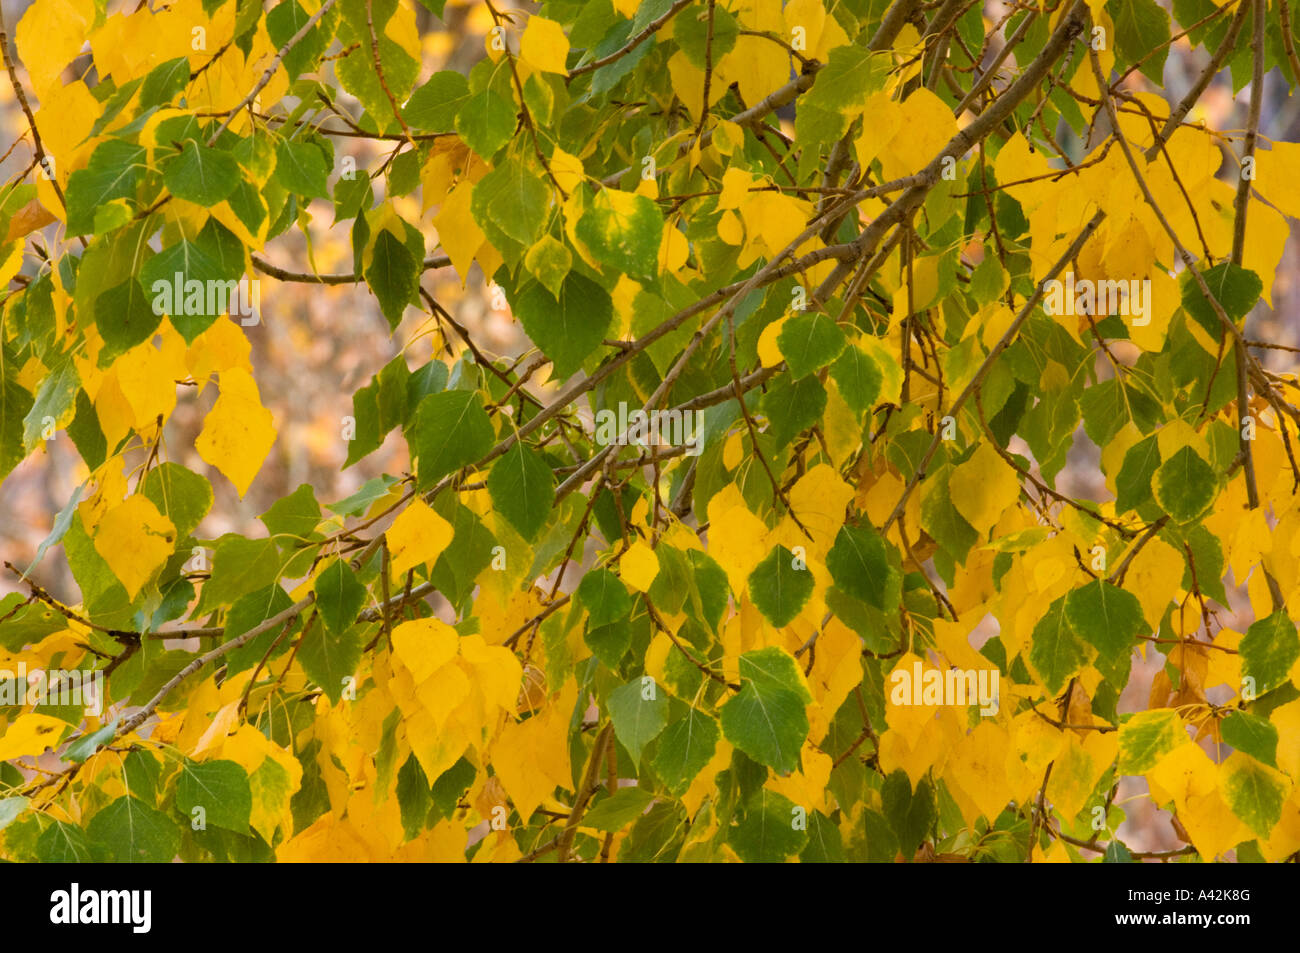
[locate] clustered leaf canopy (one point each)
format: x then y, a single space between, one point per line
824 234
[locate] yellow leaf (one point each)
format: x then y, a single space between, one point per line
1078 769
1277 170
218 349
1156 573
135 540
735 188
730 229
774 218
273 775
567 169
977 768
417 537
148 375
761 66
238 432
30 734
769 352
881 119
983 488
458 233
673 250
1286 718
733 451
497 672
926 125
532 757
819 500
544 46
639 566
49 35
735 536
424 646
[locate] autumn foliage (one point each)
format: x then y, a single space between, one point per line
966 529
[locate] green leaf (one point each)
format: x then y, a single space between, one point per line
248 612
685 748
15 404
220 788
859 564
778 589
164 83
766 834
809 341
393 275
691 31
825 844
181 495
434 106
1252 734
86 745
1109 619
619 810
414 796
623 230
240 566
1254 791
129 831
339 597
604 597
1185 486
112 173
331 656
301 168
201 175
54 403
283 21
549 261
766 719
843 84
1057 652
1139 27
486 121
360 501
567 327
514 197
1146 737
27 624
63 844
1133 482
858 378
1268 651
1117 853
449 430
793 406
1235 288
10 809
910 813
294 517
639 712
941 519
522 489
125 317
